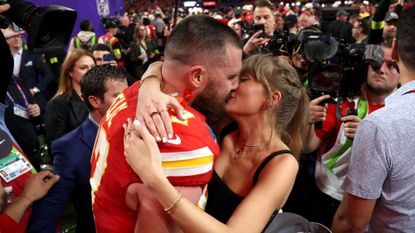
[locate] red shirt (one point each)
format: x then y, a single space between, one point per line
18 186
331 126
111 175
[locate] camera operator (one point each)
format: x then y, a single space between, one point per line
263 14
334 139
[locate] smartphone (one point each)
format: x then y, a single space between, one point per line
16 28
107 57
258 27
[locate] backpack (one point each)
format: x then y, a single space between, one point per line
87 45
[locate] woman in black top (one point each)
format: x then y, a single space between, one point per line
256 168
66 110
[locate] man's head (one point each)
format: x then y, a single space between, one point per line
13 39
385 79
101 85
360 29
264 14
111 26
389 30
86 25
341 15
98 51
202 53
404 49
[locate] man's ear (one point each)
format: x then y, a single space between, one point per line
395 54
197 76
94 101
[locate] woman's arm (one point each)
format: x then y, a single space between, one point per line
154 103
269 194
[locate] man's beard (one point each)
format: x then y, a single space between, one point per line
380 90
210 104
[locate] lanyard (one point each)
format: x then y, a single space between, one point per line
21 93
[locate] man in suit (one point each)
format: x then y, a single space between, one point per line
72 153
29 68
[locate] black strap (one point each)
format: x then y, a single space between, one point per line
266 161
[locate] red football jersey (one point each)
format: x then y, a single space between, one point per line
187 160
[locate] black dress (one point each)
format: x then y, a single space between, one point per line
222 201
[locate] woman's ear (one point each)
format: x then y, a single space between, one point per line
197 76
275 98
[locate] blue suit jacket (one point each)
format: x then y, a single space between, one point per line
72 155
34 72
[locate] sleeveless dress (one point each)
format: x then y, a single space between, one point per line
222 201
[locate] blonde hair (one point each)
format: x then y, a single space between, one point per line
65 80
291 114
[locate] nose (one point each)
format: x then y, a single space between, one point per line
234 84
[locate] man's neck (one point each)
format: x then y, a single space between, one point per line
15 50
96 116
375 98
406 75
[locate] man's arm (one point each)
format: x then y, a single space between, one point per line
353 214
318 113
48 211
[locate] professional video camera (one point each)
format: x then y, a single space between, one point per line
338 69
48 28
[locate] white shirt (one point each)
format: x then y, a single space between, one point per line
17 57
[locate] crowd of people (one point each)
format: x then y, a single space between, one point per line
210 122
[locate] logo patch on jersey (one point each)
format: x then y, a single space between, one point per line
186 115
175 141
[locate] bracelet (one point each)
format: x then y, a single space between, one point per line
150 77
173 205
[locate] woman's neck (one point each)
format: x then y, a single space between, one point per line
255 133
77 88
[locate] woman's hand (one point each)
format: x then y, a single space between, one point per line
142 153
153 105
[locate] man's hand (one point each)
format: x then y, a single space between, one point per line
350 125
254 42
153 105
39 184
317 112
33 110
4 8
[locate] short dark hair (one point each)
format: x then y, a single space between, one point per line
199 35
85 25
405 34
264 3
100 47
93 81
364 24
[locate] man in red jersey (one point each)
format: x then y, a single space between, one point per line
120 202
